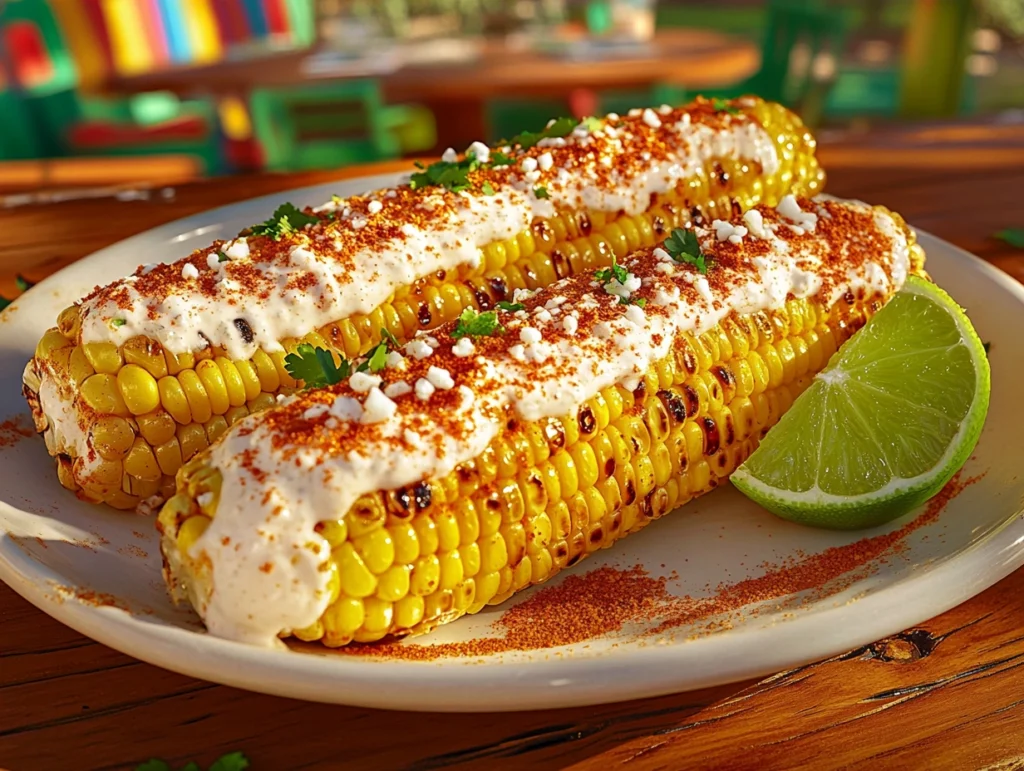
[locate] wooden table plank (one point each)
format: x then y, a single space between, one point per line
947 696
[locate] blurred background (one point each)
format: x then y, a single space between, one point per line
167 91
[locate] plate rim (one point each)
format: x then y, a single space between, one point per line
556 681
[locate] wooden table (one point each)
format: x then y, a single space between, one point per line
947 695
457 91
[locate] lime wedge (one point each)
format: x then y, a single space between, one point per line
897 411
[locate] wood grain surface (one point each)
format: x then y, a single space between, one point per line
946 695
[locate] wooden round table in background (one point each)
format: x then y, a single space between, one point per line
457 91
944 696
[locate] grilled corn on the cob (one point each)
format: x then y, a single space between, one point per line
144 373
394 502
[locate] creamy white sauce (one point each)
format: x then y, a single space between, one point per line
62 417
189 321
239 600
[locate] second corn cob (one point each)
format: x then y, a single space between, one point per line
548 490
121 417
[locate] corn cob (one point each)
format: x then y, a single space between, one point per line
124 413
552 487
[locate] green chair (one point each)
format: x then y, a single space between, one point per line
68 123
334 124
791 26
18 139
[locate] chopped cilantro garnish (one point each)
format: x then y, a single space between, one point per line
615 271
683 246
721 105
473 324
233 761
592 123
453 175
500 159
4 302
640 302
1012 236
510 307
487 188
285 220
23 283
117 322
377 359
221 257
561 127
541 192
315 366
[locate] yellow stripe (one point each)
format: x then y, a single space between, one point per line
127 36
202 30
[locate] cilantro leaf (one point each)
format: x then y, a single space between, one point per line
473 324
561 127
541 192
221 257
4 302
23 283
453 175
377 358
722 105
118 323
592 123
639 302
286 219
233 761
510 307
683 246
1013 236
153 764
316 367
500 159
613 272
487 188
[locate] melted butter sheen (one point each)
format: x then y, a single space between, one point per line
270 520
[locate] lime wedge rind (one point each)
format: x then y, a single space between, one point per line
819 508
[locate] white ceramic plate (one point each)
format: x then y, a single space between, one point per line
50 540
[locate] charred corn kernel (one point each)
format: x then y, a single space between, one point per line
235 414
69 322
393 583
190 531
192 439
79 367
138 389
376 549
233 383
112 437
356 578
215 426
195 393
140 461
104 357
216 390
147 354
408 612
426 574
101 393
168 456
174 400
